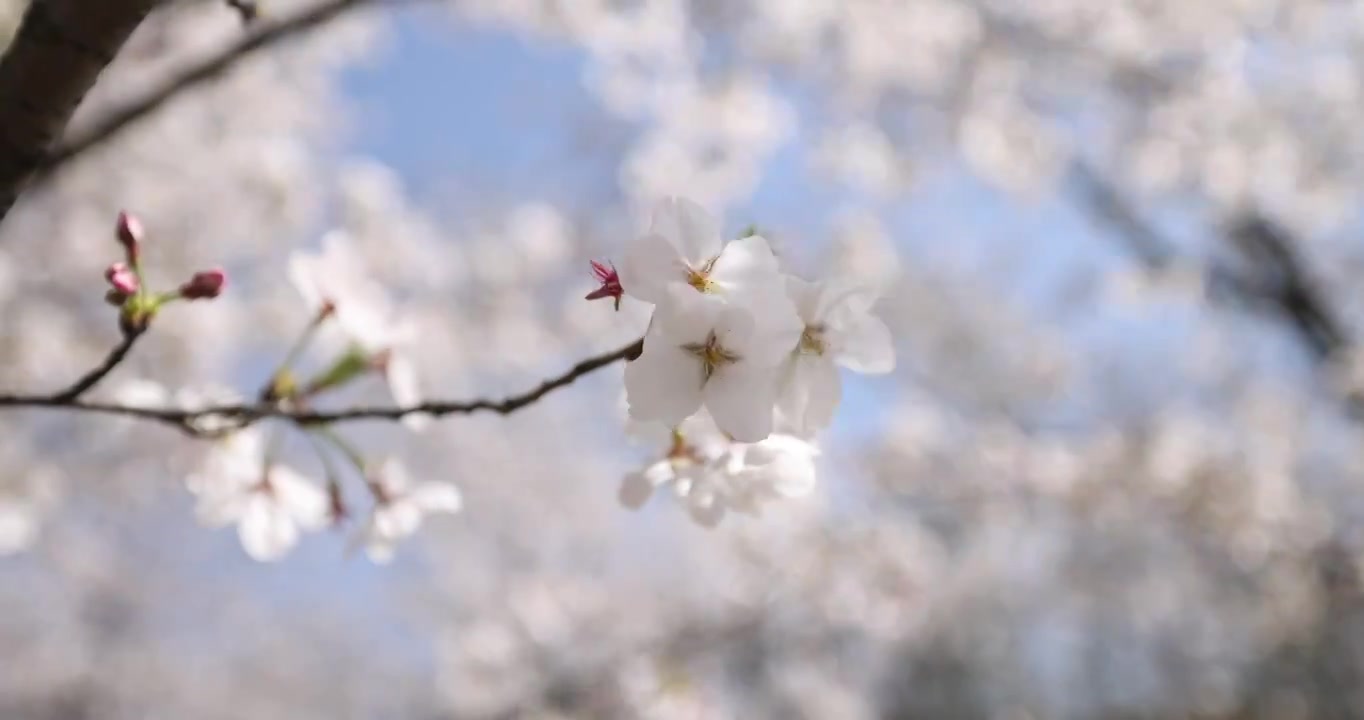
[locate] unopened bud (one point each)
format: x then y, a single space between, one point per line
610 283
130 234
121 278
204 285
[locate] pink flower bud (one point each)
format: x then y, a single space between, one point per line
130 234
610 283
204 285
121 278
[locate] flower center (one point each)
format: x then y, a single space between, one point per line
812 340
700 278
712 355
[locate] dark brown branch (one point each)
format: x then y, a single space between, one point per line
240 416
92 378
269 34
58 53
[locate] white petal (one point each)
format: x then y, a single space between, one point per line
763 330
218 508
705 507
783 464
434 497
687 227
687 316
303 274
740 398
810 393
380 551
635 490
401 376
650 265
266 531
863 344
805 297
397 519
852 296
393 477
300 498
664 383
745 263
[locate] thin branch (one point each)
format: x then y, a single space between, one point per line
92 378
239 416
270 34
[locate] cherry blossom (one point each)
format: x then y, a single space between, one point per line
335 284
701 350
269 502
839 329
683 247
399 507
713 476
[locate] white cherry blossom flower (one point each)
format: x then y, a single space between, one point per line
839 329
713 476
701 350
400 506
683 247
269 502
334 282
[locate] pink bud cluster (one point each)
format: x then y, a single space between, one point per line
126 290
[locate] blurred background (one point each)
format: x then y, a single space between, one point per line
1116 474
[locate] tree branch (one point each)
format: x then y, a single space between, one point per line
270 34
92 378
242 415
57 54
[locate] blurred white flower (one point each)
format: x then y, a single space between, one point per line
269 502
839 330
18 525
400 506
712 475
335 284
336 281
702 350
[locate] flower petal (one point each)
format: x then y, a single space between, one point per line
397 519
266 531
635 490
705 507
434 497
740 399
809 394
688 228
744 263
664 383
687 316
805 296
300 498
649 266
862 343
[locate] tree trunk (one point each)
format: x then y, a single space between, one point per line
56 56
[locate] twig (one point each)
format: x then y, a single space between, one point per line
92 378
242 415
118 120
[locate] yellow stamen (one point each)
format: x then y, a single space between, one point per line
700 278
812 340
712 355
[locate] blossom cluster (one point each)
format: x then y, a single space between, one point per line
736 344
